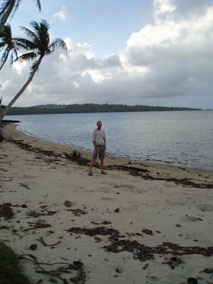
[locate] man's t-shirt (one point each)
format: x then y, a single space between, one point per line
98 137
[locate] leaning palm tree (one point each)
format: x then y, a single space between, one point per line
37 47
7 46
8 7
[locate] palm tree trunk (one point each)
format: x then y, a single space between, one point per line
5 111
5 59
6 14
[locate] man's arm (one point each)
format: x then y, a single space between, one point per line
105 142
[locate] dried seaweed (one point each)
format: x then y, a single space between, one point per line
208 270
37 214
112 233
141 251
6 211
38 225
77 212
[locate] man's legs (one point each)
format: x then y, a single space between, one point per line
102 166
101 153
91 166
94 157
101 157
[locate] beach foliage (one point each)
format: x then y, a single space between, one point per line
10 268
37 45
7 46
8 8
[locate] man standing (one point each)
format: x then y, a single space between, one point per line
99 142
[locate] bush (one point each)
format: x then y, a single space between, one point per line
10 268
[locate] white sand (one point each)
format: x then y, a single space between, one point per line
43 183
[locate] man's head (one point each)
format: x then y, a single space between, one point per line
99 124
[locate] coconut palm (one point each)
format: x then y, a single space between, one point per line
37 48
7 46
8 7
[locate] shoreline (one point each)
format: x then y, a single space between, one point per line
162 159
141 223
148 170
114 157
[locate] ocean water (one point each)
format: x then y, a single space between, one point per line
180 138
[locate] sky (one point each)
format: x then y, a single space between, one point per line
147 52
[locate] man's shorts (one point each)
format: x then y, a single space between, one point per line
99 151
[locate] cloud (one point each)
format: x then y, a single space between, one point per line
63 14
167 62
176 53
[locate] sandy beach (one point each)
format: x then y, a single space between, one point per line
140 223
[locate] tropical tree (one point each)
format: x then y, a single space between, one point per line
8 7
38 45
7 46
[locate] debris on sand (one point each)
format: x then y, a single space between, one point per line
39 213
147 231
68 203
37 225
95 231
208 270
6 211
41 240
58 269
77 212
174 262
33 247
141 251
192 280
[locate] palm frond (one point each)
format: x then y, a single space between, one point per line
6 33
17 2
30 34
57 43
38 4
25 43
13 56
43 27
4 55
27 56
4 7
41 31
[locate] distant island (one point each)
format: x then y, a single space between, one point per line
90 108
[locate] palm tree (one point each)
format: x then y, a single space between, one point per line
7 46
8 7
37 47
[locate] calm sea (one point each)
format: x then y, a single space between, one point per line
181 138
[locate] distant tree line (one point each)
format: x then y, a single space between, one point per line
90 108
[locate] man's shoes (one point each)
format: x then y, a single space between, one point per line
89 174
103 173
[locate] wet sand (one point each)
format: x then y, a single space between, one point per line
141 223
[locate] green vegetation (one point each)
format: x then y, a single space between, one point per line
87 108
10 269
7 45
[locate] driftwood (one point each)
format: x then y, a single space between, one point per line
64 268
